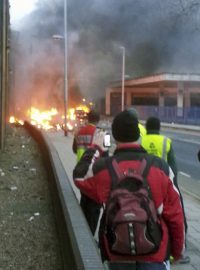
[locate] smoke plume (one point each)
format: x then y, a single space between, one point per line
159 36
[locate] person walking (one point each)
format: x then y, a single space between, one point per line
84 136
161 146
92 176
82 140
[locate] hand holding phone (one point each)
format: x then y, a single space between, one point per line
102 139
107 140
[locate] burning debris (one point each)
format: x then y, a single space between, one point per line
14 120
52 119
42 119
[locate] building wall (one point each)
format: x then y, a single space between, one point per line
181 95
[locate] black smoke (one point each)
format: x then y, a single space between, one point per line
159 36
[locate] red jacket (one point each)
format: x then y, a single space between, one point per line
83 139
94 181
85 135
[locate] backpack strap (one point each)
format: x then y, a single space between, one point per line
146 165
149 161
113 169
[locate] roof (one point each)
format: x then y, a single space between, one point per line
152 80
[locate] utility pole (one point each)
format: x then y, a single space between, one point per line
123 76
65 70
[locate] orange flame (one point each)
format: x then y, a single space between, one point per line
50 119
42 119
14 120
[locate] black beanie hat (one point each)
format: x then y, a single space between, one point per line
125 127
153 123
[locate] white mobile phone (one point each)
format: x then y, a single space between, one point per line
107 140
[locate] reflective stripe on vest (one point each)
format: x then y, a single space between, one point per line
142 129
156 144
80 152
84 140
164 149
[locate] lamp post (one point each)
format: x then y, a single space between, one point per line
123 76
65 84
65 68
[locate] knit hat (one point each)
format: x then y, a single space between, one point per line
153 123
133 111
125 127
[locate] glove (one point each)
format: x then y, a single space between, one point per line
98 140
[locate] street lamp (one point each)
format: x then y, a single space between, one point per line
65 68
123 76
65 85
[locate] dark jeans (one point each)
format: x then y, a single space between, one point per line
91 210
182 203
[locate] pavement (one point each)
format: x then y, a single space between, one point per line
190 191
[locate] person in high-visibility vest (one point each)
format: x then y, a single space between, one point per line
159 145
83 139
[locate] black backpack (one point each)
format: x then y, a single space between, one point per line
131 225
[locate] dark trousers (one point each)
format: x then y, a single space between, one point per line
91 210
182 203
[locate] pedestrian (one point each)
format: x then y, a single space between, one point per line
161 146
198 155
84 136
92 176
82 140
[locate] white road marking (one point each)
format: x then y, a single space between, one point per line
185 174
188 141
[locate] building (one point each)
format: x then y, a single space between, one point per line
180 91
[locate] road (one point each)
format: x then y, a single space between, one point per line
186 145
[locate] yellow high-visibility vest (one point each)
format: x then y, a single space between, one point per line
156 144
84 139
83 142
142 130
80 152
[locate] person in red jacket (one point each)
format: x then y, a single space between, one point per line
82 140
91 176
84 137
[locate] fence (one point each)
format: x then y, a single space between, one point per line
186 116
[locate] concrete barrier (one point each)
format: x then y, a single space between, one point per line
79 250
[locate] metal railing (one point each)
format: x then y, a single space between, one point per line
186 116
